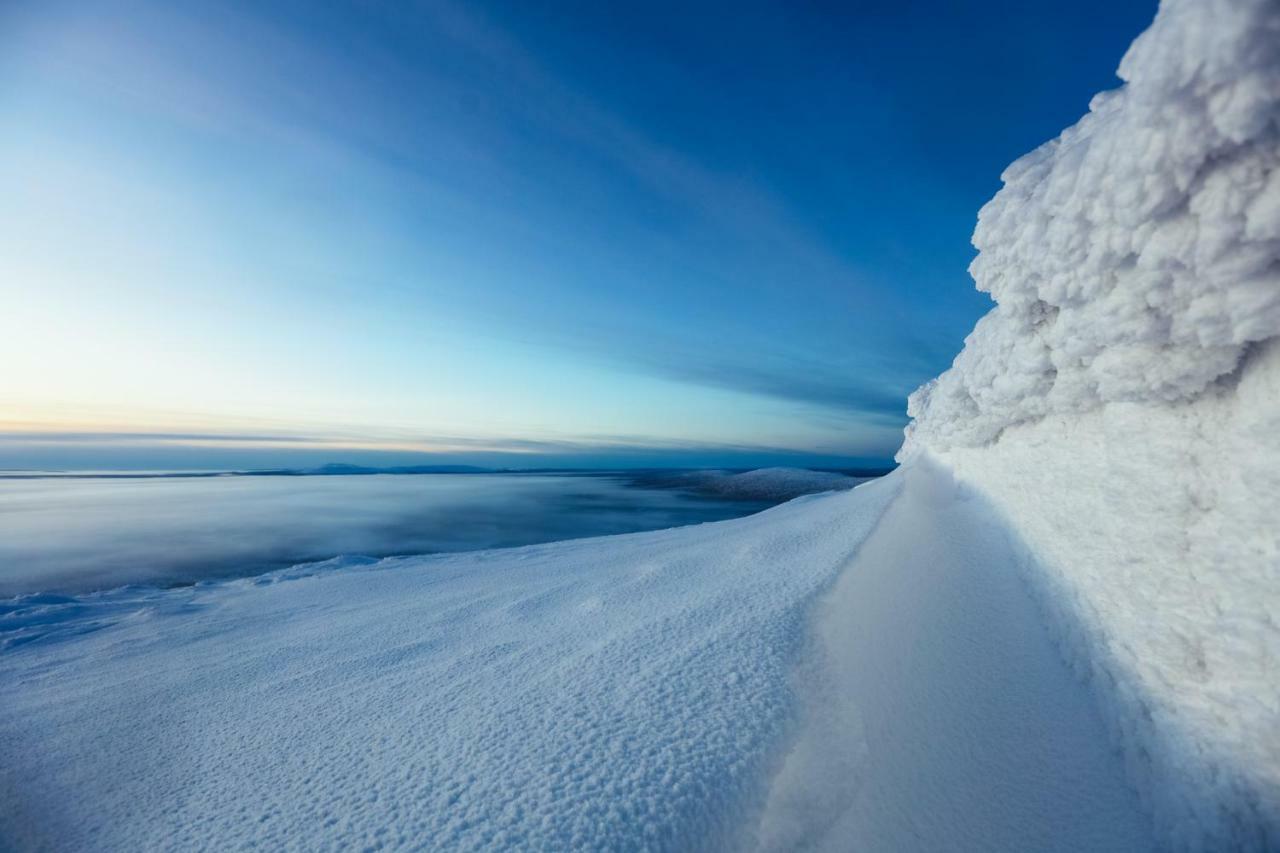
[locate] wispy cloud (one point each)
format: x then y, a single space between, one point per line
440 163
82 450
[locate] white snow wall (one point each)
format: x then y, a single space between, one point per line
1121 406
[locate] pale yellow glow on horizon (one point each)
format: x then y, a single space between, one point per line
123 310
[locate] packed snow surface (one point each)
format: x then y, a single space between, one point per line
627 692
939 714
650 691
1120 409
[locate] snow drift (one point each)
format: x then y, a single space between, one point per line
1120 407
626 692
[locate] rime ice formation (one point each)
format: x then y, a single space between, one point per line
654 691
1120 407
1135 258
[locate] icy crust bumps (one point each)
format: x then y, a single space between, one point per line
1137 256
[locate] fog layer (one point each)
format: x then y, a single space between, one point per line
74 535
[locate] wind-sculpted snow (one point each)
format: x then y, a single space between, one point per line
1120 407
1152 542
620 693
938 714
1137 256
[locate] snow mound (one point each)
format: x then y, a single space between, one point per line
1135 257
621 693
1120 408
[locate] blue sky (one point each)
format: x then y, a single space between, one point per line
560 233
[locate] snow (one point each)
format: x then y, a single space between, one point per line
625 692
1133 258
939 713
1054 627
1151 539
1119 409
661 691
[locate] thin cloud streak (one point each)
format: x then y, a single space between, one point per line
757 220
231 451
419 443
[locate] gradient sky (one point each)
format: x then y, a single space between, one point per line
253 234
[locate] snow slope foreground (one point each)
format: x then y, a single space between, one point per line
628 692
940 715
653 691
1120 408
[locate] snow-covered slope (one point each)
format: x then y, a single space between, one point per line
938 713
657 691
627 692
1120 408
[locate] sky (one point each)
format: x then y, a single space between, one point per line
259 234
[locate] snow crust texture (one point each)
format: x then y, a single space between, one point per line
619 693
1150 535
1136 257
1120 408
938 713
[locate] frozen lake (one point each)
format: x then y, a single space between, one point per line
74 534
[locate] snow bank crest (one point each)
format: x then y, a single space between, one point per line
1137 256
